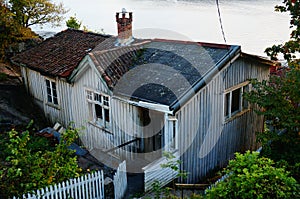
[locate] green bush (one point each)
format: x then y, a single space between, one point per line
251 176
28 166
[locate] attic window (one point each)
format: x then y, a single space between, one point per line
99 108
234 101
51 92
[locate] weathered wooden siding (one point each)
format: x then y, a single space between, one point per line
36 86
34 83
206 140
92 136
124 118
125 127
73 108
155 173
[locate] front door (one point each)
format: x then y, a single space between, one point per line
152 141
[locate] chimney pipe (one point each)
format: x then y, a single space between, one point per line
124 23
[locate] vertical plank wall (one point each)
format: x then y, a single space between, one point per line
124 118
206 140
36 86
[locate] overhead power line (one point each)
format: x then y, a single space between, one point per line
220 20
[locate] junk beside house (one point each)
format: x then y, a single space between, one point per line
113 183
55 132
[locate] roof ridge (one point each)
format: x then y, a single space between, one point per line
79 31
99 52
87 32
206 44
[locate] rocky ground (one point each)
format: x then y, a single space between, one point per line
16 107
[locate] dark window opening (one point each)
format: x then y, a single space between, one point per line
98 110
106 113
144 116
235 102
226 104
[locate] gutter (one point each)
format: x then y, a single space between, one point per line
148 105
232 54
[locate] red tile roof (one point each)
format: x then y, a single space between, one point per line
59 55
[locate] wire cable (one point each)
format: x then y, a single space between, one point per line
220 20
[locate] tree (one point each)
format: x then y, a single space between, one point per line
36 12
10 30
29 163
73 22
251 176
278 99
291 47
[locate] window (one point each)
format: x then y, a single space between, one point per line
51 92
234 102
172 133
98 107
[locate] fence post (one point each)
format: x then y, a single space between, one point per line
120 181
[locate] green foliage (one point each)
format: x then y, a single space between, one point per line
74 23
278 99
29 166
10 30
289 48
251 176
156 187
174 165
36 12
16 16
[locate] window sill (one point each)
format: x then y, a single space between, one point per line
56 106
236 116
107 130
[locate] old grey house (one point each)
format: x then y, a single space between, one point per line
137 98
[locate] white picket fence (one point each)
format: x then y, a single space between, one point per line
120 181
90 186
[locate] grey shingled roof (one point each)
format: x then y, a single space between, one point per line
157 71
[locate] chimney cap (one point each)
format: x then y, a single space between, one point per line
124 10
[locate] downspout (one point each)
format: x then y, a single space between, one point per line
232 54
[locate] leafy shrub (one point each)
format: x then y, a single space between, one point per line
251 176
28 167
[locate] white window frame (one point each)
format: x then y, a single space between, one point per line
243 105
172 133
51 93
102 100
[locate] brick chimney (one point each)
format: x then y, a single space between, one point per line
124 21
